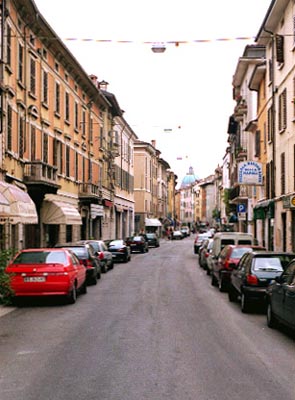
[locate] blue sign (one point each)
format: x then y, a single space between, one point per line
241 208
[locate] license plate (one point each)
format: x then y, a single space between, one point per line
34 279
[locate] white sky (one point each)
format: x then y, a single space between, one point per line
187 89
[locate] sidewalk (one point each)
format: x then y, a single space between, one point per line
5 310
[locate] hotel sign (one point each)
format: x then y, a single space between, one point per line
250 173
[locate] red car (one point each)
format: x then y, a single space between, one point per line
222 267
47 272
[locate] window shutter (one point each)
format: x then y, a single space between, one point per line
280 48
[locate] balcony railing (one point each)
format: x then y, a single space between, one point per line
238 193
40 172
89 190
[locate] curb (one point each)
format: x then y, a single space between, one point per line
5 310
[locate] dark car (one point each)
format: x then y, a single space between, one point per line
152 239
254 273
86 253
138 243
101 251
228 258
120 250
280 298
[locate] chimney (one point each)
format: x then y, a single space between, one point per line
94 80
103 85
153 143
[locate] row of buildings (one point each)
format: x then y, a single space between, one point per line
253 189
71 167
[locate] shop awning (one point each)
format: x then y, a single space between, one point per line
152 222
264 209
56 212
16 206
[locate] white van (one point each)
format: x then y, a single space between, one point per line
221 239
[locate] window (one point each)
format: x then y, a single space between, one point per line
67 106
76 166
76 116
283 174
32 76
45 87
45 147
58 155
8 45
83 122
270 124
280 48
9 128
33 143
283 110
20 71
57 98
68 151
21 134
257 144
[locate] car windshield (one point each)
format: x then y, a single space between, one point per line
267 264
238 252
79 251
41 257
116 243
136 238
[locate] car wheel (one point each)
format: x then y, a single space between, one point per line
111 265
83 289
94 278
72 297
103 269
213 280
221 285
245 303
232 295
270 318
207 271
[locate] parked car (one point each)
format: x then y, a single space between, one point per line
120 250
85 252
199 239
138 243
280 299
209 257
204 252
152 239
185 230
101 251
254 272
177 235
47 272
228 258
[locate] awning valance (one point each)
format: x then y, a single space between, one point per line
56 212
152 222
16 206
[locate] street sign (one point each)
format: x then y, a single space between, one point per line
241 208
242 216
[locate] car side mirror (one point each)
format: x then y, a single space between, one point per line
233 265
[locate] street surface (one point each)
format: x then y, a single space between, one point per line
151 329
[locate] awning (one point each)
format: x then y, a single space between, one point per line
264 209
152 222
16 206
56 212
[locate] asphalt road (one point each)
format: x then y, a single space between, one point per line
151 329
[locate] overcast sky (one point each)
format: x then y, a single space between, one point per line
181 98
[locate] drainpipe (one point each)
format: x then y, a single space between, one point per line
273 114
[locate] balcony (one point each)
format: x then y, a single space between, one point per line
238 194
89 191
41 175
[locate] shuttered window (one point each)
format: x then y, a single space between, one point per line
257 144
283 174
283 110
9 128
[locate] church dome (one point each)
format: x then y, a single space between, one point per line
189 178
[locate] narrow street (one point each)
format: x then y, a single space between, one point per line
151 329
